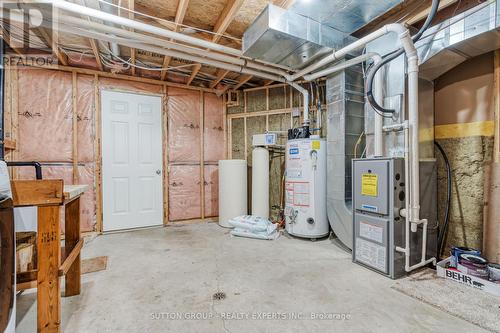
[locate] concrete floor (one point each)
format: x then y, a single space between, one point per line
158 279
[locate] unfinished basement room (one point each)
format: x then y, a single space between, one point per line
241 166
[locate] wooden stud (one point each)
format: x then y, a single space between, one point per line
75 126
165 156
131 16
14 90
98 154
202 153
224 126
48 289
71 241
230 139
496 150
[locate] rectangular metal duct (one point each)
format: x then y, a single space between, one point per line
286 38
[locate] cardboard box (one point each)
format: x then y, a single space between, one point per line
454 274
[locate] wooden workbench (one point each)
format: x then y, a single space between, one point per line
54 261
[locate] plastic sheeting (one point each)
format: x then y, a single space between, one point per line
87 201
184 192
45 116
107 83
214 128
184 136
211 173
46 135
85 113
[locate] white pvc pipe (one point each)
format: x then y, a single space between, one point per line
82 10
379 120
305 94
394 27
85 24
339 67
172 53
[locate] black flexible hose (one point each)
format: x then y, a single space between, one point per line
393 55
442 229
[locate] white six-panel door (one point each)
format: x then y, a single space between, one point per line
131 160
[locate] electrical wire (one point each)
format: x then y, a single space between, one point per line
392 56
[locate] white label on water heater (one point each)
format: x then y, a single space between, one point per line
371 254
370 231
297 193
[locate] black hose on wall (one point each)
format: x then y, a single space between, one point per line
444 227
393 55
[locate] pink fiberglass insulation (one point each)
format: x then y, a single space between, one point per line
87 201
184 135
214 128
184 192
132 86
45 116
85 112
211 173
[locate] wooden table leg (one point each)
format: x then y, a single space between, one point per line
72 236
49 290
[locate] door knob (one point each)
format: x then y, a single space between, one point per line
158 172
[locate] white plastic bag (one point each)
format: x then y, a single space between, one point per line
253 227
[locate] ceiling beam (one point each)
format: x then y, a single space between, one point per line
93 43
51 42
220 77
195 71
283 3
244 79
225 18
131 16
179 18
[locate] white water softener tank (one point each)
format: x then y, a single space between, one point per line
305 188
232 190
260 182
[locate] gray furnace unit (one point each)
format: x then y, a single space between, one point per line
379 193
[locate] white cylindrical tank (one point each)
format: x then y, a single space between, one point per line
305 188
260 182
232 190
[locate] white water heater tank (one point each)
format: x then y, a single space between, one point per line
305 188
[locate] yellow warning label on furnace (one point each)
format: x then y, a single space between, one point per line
316 144
369 184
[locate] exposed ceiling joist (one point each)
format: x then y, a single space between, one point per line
93 43
222 74
283 3
244 79
131 15
195 71
51 41
225 18
179 18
